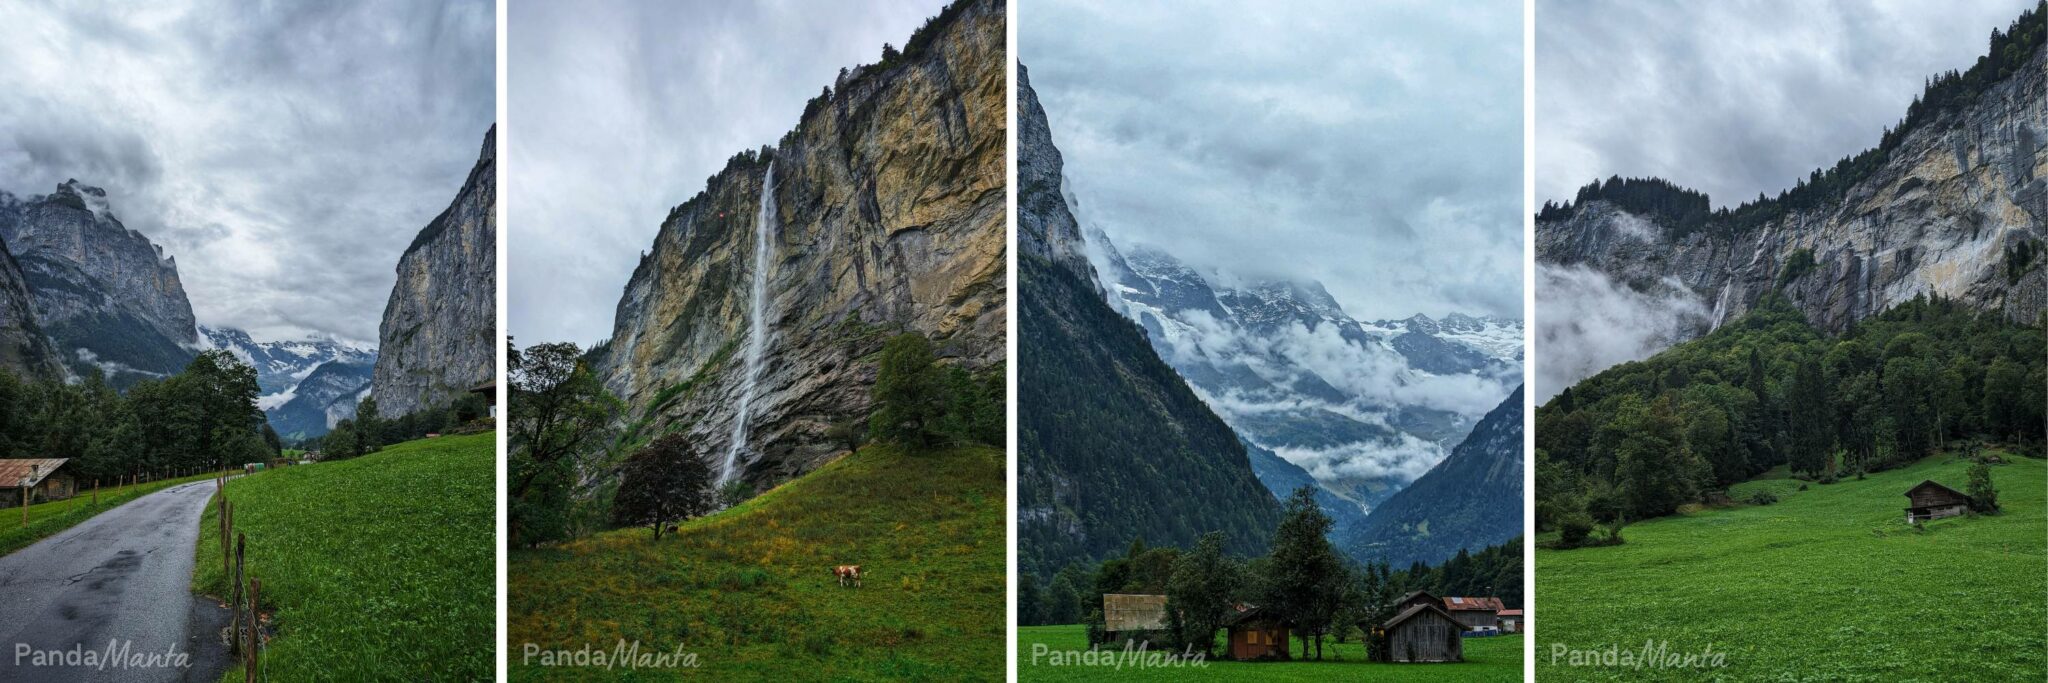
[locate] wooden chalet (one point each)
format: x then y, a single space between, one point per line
1257 633
1477 614
1416 598
488 390
1133 617
45 479
1424 632
1511 621
1929 500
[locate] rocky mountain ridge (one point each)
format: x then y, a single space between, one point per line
327 395
107 297
1958 208
281 364
1470 500
886 216
439 335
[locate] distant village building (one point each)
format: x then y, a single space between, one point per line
1257 633
488 390
1934 501
1477 614
1424 632
1511 621
1134 617
46 479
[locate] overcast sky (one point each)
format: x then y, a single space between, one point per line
620 109
1374 146
1735 97
285 153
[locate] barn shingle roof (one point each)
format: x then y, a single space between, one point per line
1466 604
35 469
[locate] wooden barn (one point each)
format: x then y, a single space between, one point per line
1424 632
1134 617
1257 633
1511 621
46 479
1934 501
1477 614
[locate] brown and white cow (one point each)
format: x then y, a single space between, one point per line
848 574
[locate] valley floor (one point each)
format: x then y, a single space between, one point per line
1827 584
750 590
1497 658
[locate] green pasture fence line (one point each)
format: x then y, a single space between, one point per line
42 520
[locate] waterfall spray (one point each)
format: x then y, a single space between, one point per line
757 323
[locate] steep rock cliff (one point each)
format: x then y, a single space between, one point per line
24 349
1112 444
1947 213
439 334
106 296
886 215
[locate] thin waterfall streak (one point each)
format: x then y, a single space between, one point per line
757 323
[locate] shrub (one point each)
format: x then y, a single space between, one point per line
1762 497
1573 528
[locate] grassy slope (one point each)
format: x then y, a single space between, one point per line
1827 584
378 568
1486 659
750 590
46 519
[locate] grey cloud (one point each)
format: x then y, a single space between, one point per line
620 109
284 153
1375 147
1735 98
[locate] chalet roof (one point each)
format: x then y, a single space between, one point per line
1473 604
488 387
1930 482
1253 614
1412 595
1413 611
33 469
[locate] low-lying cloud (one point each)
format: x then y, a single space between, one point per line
1588 323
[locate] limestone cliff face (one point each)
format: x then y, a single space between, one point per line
439 334
1944 215
24 350
107 297
888 209
1045 225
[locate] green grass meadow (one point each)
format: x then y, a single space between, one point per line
1498 658
750 590
47 519
1828 584
378 568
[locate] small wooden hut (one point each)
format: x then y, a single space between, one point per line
1257 633
1133 617
45 478
1511 621
1424 632
1934 501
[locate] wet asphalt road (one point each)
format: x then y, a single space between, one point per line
124 576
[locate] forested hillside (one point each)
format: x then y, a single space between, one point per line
1113 446
1643 438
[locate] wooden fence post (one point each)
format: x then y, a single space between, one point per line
235 609
24 502
255 629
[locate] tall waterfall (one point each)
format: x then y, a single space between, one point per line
757 322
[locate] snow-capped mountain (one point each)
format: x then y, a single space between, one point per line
280 365
326 396
1364 407
302 380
